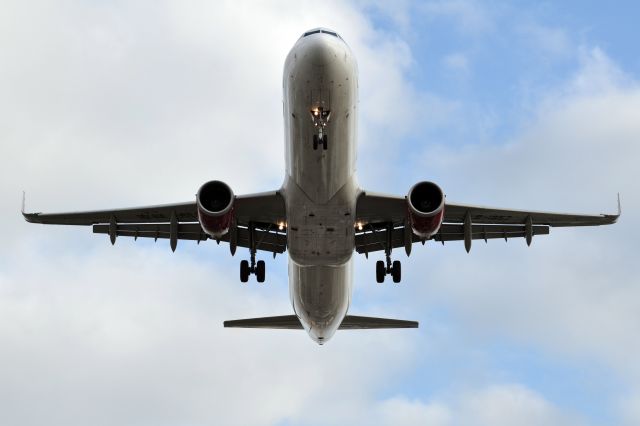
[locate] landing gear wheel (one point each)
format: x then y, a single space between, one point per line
244 271
324 142
380 271
315 142
260 271
396 271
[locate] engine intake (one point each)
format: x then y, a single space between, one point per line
426 208
215 208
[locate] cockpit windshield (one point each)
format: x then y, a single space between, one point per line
321 31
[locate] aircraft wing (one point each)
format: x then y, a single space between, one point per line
185 212
382 219
264 211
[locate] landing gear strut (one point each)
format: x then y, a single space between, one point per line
391 268
257 268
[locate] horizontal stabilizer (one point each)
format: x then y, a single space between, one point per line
281 322
350 322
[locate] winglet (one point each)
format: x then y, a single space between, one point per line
619 208
29 217
613 218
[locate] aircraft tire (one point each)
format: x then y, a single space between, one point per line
244 271
396 271
315 142
324 142
260 271
380 271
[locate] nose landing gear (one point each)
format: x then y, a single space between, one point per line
320 118
320 139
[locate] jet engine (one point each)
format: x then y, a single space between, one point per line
215 207
426 208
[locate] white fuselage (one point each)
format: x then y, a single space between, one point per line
320 187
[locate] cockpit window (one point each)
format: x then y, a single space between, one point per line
319 31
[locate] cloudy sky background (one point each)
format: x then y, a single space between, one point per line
527 105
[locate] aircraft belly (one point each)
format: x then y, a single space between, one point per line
320 188
320 296
321 234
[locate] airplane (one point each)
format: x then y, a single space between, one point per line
320 215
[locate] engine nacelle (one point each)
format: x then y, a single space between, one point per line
426 208
215 208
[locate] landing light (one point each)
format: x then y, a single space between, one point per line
359 225
281 226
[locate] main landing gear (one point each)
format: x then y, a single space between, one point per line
257 268
394 269
391 268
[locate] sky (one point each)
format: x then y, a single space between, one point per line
532 105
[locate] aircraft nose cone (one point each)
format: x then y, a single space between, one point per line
320 51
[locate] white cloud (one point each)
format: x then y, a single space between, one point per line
133 335
456 62
509 405
469 16
397 12
400 411
629 409
575 291
494 405
550 41
599 75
